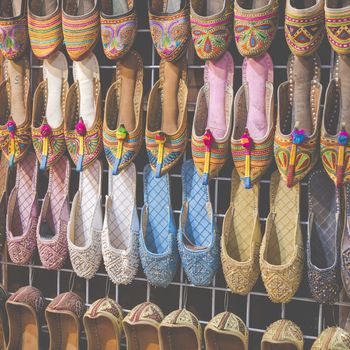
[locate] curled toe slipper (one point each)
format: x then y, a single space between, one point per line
4 172
120 247
333 338
157 237
198 239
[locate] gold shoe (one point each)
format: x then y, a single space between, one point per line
333 338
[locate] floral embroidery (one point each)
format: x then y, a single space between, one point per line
338 31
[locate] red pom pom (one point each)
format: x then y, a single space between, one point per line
80 127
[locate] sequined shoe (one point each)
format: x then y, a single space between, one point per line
283 334
81 27
211 26
118 27
226 331
141 327
333 338
298 119
83 122
122 126
241 238
45 27
169 23
103 324
166 121
48 111
14 29
255 26
198 240
15 136
282 252
253 121
213 118
304 26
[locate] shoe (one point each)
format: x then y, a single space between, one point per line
166 121
211 27
141 327
226 331
15 135
103 325
122 126
180 330
63 317
241 238
45 27
335 150
48 111
213 118
81 27
282 252
23 212
14 29
85 223
333 338
283 334
24 311
298 119
83 122
345 244
255 26
254 120
4 327
325 227
4 172
304 26
198 239
169 23
120 246
51 234
118 27
337 15
157 237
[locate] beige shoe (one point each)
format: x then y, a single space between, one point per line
333 338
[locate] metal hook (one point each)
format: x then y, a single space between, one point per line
107 287
71 281
185 295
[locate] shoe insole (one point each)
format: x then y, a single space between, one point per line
344 102
85 6
279 347
338 3
172 6
215 341
141 337
43 7
303 4
178 338
55 70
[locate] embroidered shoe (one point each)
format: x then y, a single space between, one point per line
335 150
166 121
198 240
180 330
157 237
4 172
48 111
213 118
283 334
23 212
83 124
14 29
226 331
282 252
255 26
241 238
15 136
122 126
253 121
120 246
85 223
81 27
345 244
333 338
304 26
211 27
45 27
118 27
141 327
103 324
298 119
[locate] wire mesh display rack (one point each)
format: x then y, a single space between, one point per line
205 302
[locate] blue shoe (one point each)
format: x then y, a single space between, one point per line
158 248
198 240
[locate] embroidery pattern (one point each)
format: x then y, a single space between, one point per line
338 31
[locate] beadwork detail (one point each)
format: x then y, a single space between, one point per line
338 31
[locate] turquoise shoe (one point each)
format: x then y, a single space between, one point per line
157 238
198 240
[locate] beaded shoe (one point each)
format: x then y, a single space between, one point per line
333 338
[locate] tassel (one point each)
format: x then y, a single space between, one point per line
246 142
208 140
343 139
160 139
80 128
11 127
121 135
298 137
45 131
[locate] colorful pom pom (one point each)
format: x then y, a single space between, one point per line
80 127
208 138
121 133
246 140
160 138
45 130
11 126
298 136
343 138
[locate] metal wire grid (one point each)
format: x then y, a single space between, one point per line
255 309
